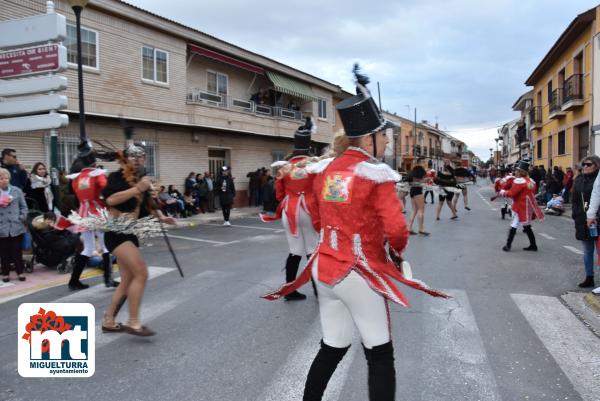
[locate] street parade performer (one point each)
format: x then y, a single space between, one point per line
87 184
505 180
293 189
362 236
524 209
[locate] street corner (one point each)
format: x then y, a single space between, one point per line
586 306
593 301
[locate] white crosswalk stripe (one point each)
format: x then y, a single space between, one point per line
547 236
572 345
573 249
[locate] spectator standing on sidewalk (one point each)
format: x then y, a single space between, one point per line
18 175
201 192
210 196
568 184
13 212
40 189
582 192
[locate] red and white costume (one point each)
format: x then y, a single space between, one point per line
88 185
293 189
361 222
524 208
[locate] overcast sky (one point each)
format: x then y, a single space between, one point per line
462 62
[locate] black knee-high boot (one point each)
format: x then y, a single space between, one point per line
312 280
532 245
509 240
107 265
79 265
291 269
321 370
382 374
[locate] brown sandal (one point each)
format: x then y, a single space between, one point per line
142 331
117 328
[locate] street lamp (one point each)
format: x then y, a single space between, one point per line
78 6
497 139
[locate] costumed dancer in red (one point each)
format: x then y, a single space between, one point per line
87 184
522 191
429 181
293 189
362 235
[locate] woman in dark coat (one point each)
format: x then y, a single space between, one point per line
39 188
582 190
226 192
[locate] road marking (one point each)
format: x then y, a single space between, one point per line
197 239
453 344
288 383
573 346
546 236
228 243
573 249
237 225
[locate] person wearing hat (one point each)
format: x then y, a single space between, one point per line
362 235
430 177
293 189
87 184
524 209
226 192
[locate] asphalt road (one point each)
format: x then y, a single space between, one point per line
504 336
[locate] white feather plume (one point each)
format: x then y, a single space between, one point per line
319 167
279 163
145 227
379 173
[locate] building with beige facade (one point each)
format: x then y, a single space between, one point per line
198 101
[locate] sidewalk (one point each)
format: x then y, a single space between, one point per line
43 277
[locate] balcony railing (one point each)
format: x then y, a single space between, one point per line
573 92
535 117
199 96
556 103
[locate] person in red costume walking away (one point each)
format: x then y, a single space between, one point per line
88 183
522 191
362 236
293 189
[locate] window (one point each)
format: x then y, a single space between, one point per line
151 159
216 83
561 143
89 46
67 152
323 108
550 92
539 149
278 155
406 145
155 65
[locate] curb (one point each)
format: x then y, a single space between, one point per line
593 301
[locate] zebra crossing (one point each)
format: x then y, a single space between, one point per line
452 357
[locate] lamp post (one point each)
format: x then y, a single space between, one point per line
497 158
78 6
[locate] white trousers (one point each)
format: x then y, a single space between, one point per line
352 303
306 241
89 242
515 221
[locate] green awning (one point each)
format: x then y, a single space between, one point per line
291 86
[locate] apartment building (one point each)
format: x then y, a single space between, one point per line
199 102
521 141
562 96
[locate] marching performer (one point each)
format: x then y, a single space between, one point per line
503 182
128 196
362 235
293 189
524 209
462 177
447 183
87 183
417 179
430 177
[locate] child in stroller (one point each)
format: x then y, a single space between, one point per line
52 247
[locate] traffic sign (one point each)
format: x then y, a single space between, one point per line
33 60
28 86
33 123
37 29
33 105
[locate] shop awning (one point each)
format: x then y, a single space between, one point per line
225 59
291 86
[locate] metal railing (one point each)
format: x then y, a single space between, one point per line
535 115
199 96
574 87
557 100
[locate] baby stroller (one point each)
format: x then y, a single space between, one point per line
50 247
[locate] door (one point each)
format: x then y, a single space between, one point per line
581 142
217 158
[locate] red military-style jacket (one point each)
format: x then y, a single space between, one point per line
293 190
522 191
503 183
88 185
360 221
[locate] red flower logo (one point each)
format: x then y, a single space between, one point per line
42 322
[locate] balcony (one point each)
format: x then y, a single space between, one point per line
535 117
556 102
198 96
573 92
416 150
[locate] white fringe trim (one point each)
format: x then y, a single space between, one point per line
279 163
377 172
318 167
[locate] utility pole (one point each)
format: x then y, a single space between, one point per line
379 95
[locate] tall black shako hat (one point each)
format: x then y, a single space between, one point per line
359 114
86 157
303 134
